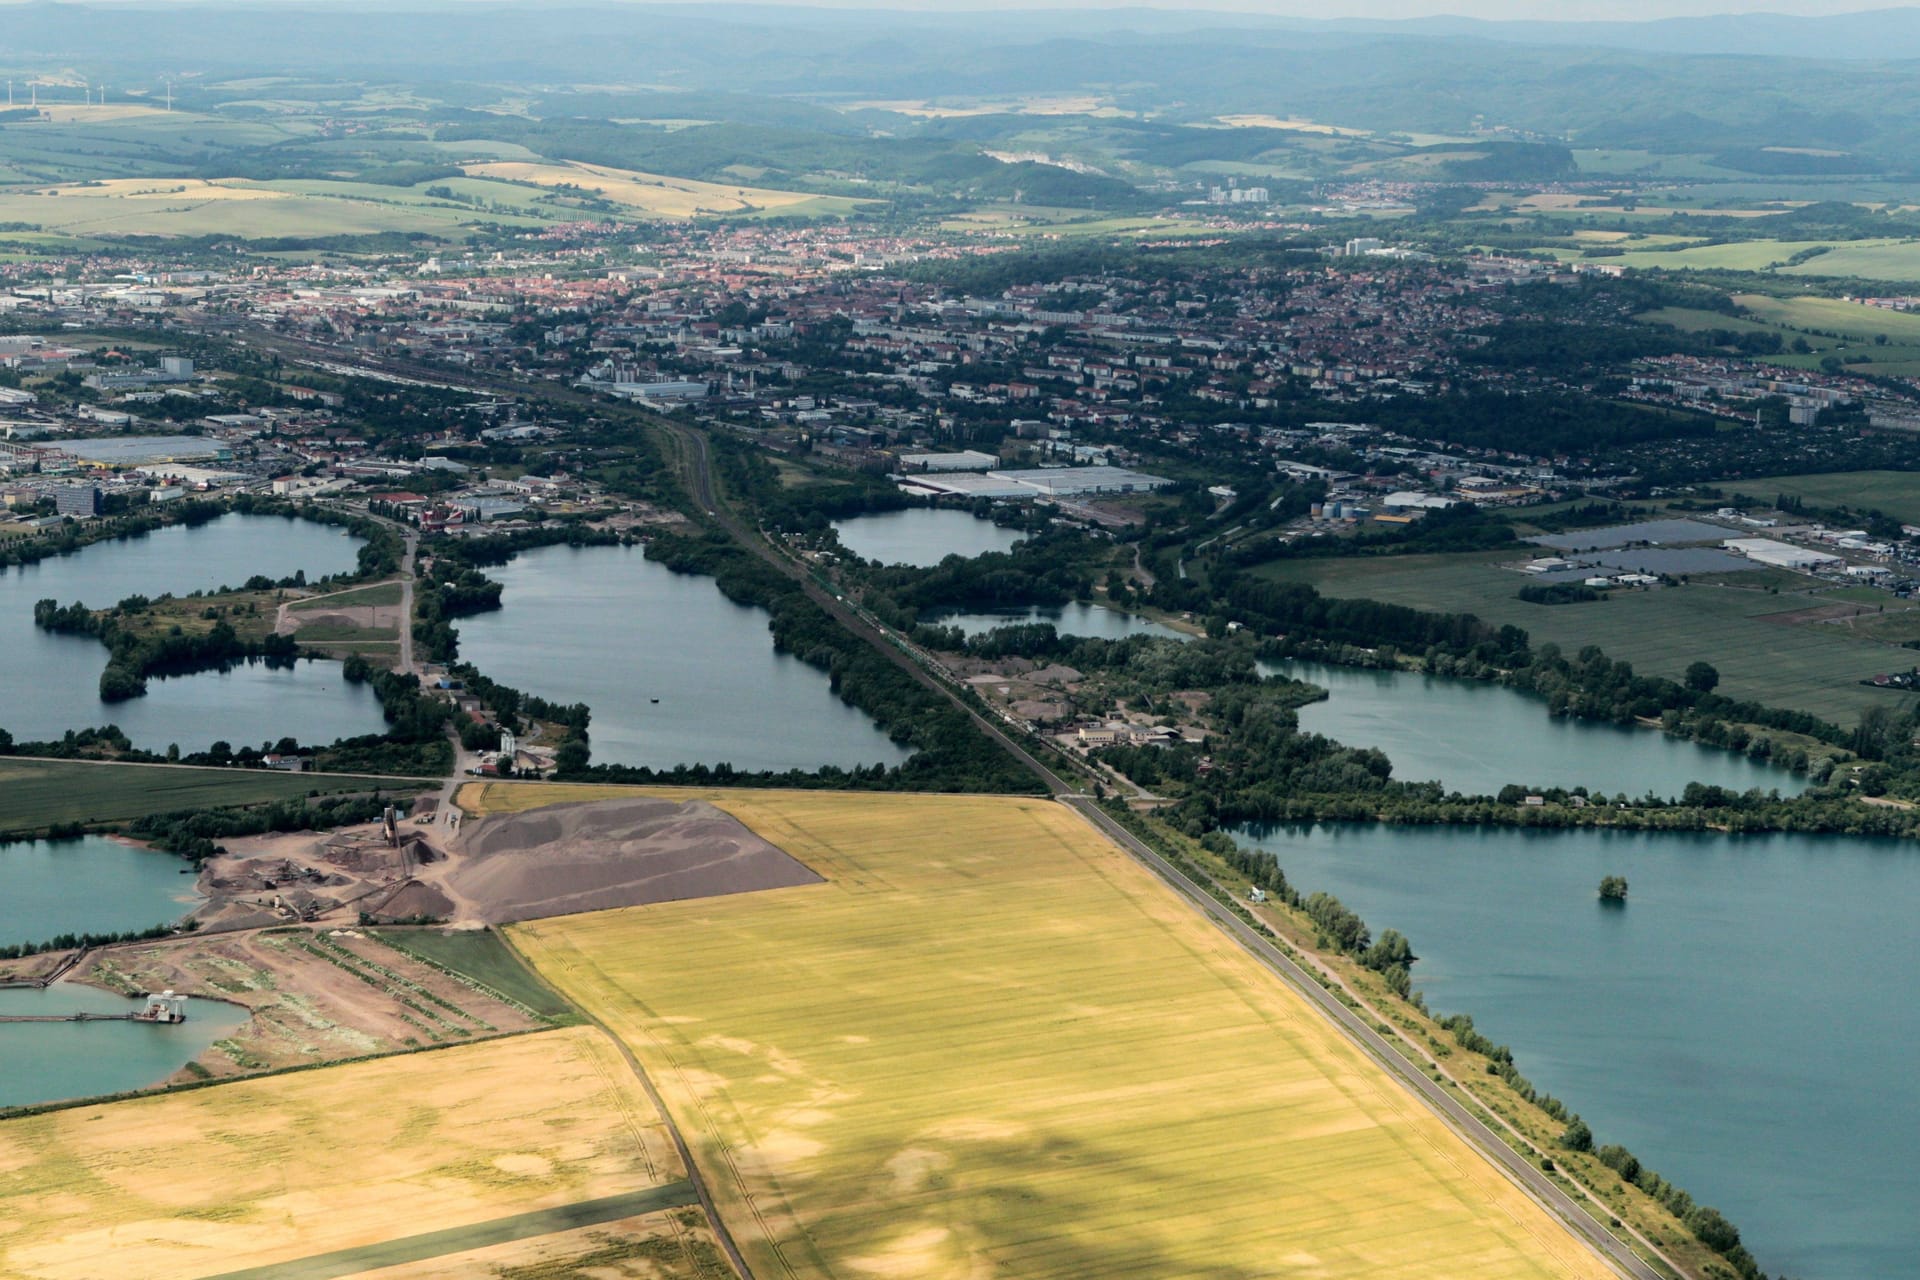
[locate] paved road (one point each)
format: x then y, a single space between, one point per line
721 1234
412 537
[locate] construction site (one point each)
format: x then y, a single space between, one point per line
379 937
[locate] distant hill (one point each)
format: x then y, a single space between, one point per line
1750 90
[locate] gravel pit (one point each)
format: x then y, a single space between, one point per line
602 854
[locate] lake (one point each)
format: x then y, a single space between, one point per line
922 536
52 681
89 885
674 671
101 886
48 1061
1476 737
1095 621
1742 1024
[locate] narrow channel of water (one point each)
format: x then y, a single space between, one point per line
674 671
923 536
51 1061
1742 1024
52 681
1476 737
89 885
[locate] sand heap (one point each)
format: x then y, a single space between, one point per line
612 853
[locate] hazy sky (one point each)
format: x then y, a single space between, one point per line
1555 10
1558 10
1549 10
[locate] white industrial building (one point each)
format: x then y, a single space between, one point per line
1782 555
1044 482
1410 501
965 460
1073 482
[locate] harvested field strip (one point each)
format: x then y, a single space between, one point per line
262 1173
435 1009
991 1042
670 1244
434 1244
478 957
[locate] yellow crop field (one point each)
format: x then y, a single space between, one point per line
657 194
496 1144
478 799
195 206
992 1044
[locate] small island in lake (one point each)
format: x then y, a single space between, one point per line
1613 889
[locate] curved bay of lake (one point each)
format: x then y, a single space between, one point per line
1476 737
52 681
1741 1024
674 671
89 885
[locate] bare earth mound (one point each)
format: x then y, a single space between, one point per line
613 853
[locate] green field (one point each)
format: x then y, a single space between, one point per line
1805 667
1740 255
35 794
381 593
336 636
1646 164
1886 259
1897 493
1814 320
250 210
1834 315
481 955
1897 260
992 1044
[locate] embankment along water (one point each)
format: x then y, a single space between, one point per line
1742 1024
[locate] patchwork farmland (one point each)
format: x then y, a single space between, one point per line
992 1043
